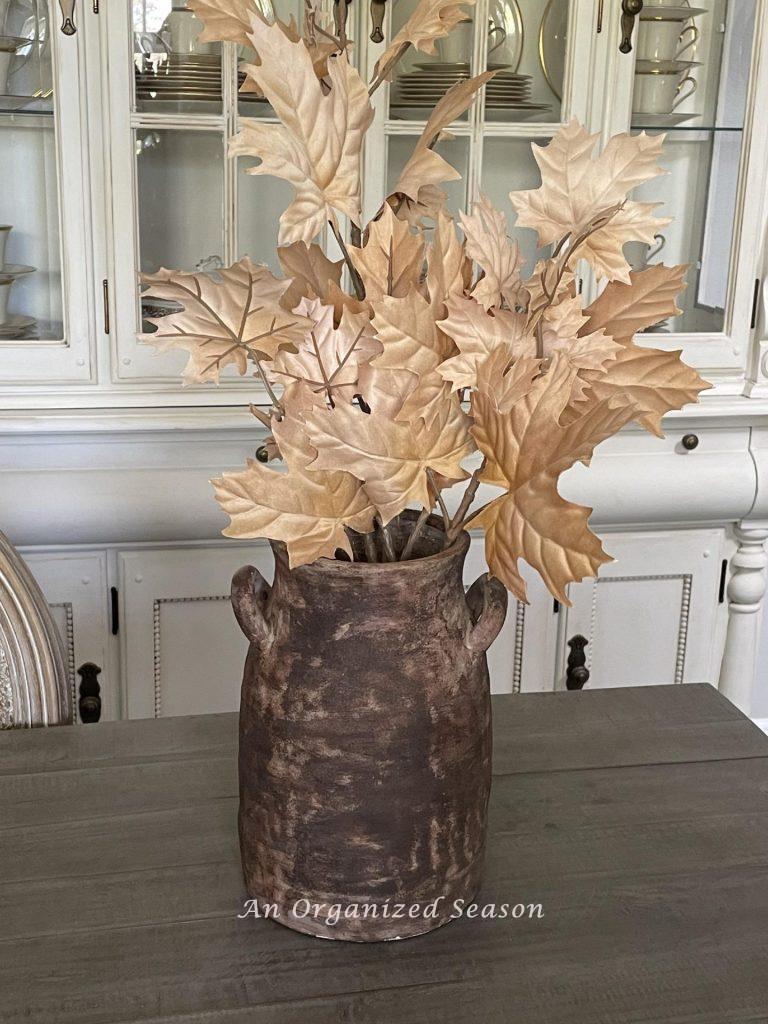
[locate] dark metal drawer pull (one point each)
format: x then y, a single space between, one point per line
577 674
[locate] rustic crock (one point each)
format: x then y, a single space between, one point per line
365 738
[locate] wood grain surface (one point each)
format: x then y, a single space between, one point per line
637 818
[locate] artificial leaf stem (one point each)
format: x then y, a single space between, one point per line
357 281
415 534
457 523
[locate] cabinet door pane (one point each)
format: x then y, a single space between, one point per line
260 201
180 199
527 47
691 79
174 71
508 165
30 240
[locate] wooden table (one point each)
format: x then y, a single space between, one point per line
637 818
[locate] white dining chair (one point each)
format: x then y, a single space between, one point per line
34 689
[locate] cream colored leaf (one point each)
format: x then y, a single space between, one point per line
431 20
448 270
488 244
328 358
425 167
225 20
581 195
653 380
623 310
224 322
526 451
306 509
391 457
310 270
477 334
318 143
504 380
546 281
604 249
413 341
386 391
561 327
391 260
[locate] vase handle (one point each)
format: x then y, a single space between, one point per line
487 600
249 598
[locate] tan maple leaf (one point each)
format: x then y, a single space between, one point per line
526 450
448 269
505 380
563 331
656 381
425 168
489 245
431 20
328 358
225 20
391 259
477 333
317 145
413 341
306 509
652 380
310 270
580 194
389 456
622 310
225 321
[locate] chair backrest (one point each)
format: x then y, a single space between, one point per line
33 677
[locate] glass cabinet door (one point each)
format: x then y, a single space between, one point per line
691 74
542 53
179 201
44 297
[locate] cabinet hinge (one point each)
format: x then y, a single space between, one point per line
600 6
95 6
755 304
556 607
114 610
723 577
105 294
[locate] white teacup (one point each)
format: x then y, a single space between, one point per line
663 40
5 230
456 48
181 30
661 92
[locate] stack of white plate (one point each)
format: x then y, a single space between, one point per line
424 87
15 325
180 77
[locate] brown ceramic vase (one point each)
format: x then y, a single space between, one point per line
365 739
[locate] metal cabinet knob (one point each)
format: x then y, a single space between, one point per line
577 673
690 441
89 704
68 17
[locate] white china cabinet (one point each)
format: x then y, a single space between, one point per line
114 155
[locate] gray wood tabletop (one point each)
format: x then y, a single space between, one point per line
637 818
